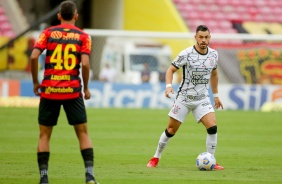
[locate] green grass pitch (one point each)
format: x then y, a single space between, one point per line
249 147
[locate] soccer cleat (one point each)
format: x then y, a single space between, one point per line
92 182
153 162
218 167
90 179
44 179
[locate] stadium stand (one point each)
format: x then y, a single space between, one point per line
223 15
5 25
242 61
12 19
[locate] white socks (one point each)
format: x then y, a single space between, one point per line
162 144
211 143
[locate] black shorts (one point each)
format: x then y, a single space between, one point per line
49 111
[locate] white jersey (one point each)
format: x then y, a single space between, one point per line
197 69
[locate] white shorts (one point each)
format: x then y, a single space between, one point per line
199 108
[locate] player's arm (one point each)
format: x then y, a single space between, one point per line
85 64
85 68
168 78
34 70
214 81
214 87
39 47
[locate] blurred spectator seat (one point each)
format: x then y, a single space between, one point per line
9 33
6 28
3 19
2 11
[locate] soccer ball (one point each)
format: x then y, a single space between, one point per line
205 161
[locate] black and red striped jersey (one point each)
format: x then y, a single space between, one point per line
64 46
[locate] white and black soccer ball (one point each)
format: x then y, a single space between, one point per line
205 161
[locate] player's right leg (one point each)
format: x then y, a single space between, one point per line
177 116
169 132
87 152
47 118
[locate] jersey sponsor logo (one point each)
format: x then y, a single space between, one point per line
60 77
50 90
200 73
197 77
179 59
71 36
56 34
206 104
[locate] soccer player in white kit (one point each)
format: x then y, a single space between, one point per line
199 65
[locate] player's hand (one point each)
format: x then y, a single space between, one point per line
36 89
87 94
217 103
169 91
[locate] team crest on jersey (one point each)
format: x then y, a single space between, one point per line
212 61
175 109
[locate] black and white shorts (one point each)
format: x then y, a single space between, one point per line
199 108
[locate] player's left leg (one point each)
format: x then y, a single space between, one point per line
209 121
76 114
204 112
86 151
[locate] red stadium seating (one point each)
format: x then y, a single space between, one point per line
220 15
6 28
3 19
2 11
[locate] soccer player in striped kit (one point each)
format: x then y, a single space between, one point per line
67 48
199 65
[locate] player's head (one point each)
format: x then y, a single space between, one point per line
202 37
68 11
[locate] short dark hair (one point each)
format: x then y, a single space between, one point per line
202 28
67 10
